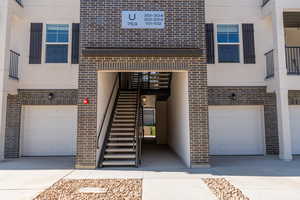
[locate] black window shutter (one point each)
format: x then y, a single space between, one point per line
248 43
75 43
36 38
210 43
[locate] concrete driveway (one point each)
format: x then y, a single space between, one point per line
257 177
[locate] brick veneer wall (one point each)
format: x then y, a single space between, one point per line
101 28
294 97
30 97
251 96
12 130
101 22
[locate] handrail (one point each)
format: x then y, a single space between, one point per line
138 123
269 64
20 2
264 2
106 110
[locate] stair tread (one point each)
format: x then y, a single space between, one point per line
122 129
124 150
121 134
118 156
118 163
121 138
129 124
121 144
123 120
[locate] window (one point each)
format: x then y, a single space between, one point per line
228 43
57 41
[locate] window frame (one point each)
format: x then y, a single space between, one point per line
217 43
45 43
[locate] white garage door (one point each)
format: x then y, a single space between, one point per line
49 130
295 128
236 130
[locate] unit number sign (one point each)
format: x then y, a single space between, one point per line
143 19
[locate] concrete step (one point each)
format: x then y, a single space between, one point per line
116 139
123 113
118 163
127 98
128 95
125 117
120 150
120 144
126 103
126 106
114 124
120 156
132 120
126 109
122 134
128 92
122 129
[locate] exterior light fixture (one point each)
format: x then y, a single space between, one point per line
233 96
50 96
86 101
144 100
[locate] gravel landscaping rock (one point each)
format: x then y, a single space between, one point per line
224 190
111 189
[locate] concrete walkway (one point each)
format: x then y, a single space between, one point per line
24 178
258 177
261 178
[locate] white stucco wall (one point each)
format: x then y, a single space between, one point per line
178 117
3 71
105 85
47 76
162 122
239 12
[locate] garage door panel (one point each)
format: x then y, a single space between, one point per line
236 130
295 128
49 130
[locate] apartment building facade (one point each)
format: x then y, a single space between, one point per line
76 76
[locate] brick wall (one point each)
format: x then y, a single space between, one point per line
251 96
40 97
294 97
101 22
30 97
12 130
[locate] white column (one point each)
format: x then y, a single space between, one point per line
3 71
285 143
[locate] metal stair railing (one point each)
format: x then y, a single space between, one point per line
138 124
110 120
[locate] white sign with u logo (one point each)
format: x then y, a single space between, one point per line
143 19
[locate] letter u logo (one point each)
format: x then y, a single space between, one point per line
132 18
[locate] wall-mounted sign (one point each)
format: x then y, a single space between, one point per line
143 19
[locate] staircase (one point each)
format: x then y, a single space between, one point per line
159 80
151 80
120 148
